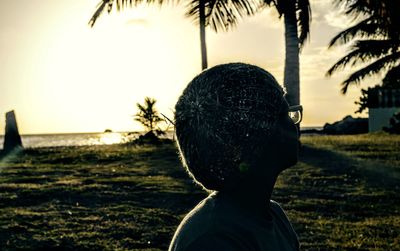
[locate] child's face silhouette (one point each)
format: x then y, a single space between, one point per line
285 140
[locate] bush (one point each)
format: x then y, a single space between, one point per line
394 127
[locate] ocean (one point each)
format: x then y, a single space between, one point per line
73 139
82 139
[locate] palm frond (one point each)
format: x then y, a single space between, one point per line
120 5
367 28
270 2
392 77
378 39
223 14
385 63
357 8
377 46
141 108
363 51
101 6
149 103
123 4
108 5
303 20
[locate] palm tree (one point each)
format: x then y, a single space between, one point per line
375 40
147 115
297 18
220 14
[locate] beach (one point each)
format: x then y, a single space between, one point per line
342 195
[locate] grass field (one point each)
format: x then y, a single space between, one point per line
344 194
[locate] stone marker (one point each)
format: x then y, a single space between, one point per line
12 139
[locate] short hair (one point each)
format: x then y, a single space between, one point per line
222 121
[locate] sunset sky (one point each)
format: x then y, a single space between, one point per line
60 75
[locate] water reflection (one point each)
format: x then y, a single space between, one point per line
78 139
73 139
111 138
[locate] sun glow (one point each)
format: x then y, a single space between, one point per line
60 75
111 138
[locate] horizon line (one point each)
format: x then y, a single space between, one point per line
141 131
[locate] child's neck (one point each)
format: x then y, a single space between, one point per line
252 195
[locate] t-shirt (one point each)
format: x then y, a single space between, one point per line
218 223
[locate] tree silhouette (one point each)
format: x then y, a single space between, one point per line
220 14
369 97
148 116
375 40
297 18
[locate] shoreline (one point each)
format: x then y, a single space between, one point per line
86 139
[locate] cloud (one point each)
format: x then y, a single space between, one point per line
267 17
331 14
320 5
271 18
319 8
337 19
316 61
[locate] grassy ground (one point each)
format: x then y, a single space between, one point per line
343 195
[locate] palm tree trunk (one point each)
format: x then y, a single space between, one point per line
202 17
291 78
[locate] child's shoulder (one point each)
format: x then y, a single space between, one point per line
278 213
282 221
275 206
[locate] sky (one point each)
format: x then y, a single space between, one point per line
61 76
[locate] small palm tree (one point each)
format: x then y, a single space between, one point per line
148 116
375 40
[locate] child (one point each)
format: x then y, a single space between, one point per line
235 137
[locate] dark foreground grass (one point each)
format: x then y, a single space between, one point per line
343 195
345 192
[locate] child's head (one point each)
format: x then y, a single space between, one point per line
224 119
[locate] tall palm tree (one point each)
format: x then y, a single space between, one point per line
375 40
297 19
220 14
